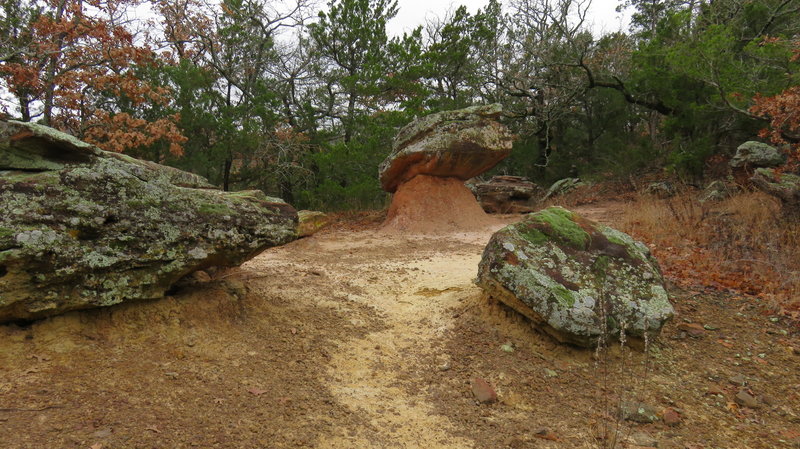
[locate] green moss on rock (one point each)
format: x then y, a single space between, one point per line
562 227
567 273
106 228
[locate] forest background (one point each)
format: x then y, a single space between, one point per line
303 101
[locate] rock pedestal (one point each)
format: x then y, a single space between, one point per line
452 146
83 228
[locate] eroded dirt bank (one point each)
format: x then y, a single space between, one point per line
360 339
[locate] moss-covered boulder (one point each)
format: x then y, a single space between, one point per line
84 228
757 154
563 186
784 186
459 144
311 221
716 191
576 279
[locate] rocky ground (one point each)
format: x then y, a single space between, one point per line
355 338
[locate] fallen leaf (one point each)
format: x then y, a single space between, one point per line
152 429
96 446
727 344
546 435
256 391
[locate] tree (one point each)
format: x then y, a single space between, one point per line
351 37
71 63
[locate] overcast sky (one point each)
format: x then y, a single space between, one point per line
414 12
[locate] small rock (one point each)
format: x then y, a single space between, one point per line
767 399
693 329
171 375
663 189
715 390
444 366
643 439
201 276
508 347
550 373
103 433
638 412
710 327
310 221
738 380
483 392
671 417
745 399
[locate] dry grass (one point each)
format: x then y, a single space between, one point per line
739 244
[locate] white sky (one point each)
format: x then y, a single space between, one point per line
602 14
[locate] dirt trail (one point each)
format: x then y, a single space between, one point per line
362 339
415 305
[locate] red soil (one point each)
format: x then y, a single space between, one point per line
432 204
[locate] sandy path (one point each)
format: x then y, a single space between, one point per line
415 304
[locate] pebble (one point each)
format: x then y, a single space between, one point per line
738 379
745 399
671 417
643 439
483 392
694 330
638 412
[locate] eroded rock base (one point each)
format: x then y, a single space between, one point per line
432 204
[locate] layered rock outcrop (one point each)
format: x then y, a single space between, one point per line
82 227
508 195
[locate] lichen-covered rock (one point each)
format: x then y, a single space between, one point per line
310 221
757 154
784 186
507 195
577 279
460 144
661 189
716 191
563 186
84 228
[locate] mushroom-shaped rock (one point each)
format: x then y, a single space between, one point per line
431 159
85 228
576 279
757 154
459 144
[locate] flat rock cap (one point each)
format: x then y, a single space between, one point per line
462 143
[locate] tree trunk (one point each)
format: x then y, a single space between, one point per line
226 173
351 111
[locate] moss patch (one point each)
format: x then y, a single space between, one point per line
560 225
218 209
563 296
533 235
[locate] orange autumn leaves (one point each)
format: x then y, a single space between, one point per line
783 113
79 65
